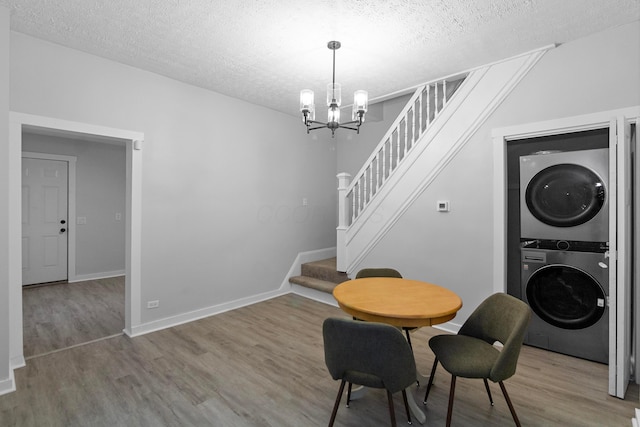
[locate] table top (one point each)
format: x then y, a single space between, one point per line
398 302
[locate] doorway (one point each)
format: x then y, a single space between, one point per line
20 122
63 310
618 123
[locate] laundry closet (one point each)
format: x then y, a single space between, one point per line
558 253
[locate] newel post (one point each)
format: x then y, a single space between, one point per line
344 179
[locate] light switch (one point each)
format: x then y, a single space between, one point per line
81 220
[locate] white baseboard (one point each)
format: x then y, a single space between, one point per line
284 289
314 294
18 362
300 259
191 316
8 385
95 276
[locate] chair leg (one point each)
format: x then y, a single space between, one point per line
506 397
349 394
486 386
406 331
392 412
335 406
433 373
451 394
406 406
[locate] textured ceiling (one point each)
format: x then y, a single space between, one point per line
266 51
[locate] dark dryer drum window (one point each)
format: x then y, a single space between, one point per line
566 297
565 195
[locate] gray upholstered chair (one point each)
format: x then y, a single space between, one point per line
383 272
369 354
472 354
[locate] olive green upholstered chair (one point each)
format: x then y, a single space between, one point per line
472 353
369 354
383 272
378 272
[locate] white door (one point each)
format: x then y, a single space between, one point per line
44 220
620 238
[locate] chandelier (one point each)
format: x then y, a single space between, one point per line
334 99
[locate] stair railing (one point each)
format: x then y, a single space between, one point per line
416 117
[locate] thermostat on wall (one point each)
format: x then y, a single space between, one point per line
443 206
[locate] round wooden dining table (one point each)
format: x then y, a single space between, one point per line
398 302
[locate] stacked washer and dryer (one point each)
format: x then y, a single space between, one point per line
564 226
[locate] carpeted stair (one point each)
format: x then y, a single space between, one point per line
320 275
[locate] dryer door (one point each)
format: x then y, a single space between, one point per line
565 195
565 296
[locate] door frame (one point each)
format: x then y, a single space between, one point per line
71 205
133 236
501 137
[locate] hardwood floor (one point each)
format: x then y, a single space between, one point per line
263 365
61 315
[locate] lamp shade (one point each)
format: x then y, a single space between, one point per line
361 100
306 100
334 94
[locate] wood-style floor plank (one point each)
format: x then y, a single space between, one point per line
263 365
61 315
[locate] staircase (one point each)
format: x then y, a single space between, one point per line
427 135
319 275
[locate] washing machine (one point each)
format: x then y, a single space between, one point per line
563 195
568 292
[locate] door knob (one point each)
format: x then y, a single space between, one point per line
63 221
62 230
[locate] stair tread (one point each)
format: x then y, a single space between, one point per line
314 283
324 269
320 275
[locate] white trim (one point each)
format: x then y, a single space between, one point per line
18 362
285 288
8 385
71 205
202 313
133 217
501 137
98 276
300 259
412 89
476 99
571 124
314 294
296 270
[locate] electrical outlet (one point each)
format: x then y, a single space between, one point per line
442 206
153 304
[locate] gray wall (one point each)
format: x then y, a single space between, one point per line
100 195
455 249
222 180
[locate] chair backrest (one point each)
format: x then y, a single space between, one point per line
368 349
378 272
501 318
